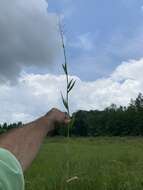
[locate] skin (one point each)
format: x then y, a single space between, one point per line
25 142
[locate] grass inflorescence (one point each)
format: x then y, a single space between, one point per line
70 82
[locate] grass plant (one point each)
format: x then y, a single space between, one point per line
103 163
70 82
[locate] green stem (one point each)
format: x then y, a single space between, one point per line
68 134
67 77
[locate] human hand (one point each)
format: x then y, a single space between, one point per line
58 117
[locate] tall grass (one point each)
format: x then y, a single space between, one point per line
100 163
69 82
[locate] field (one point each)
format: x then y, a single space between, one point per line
96 164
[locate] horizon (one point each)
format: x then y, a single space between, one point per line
104 50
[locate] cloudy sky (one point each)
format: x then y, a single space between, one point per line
104 41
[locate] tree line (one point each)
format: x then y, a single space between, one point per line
5 127
112 121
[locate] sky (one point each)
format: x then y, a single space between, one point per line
101 34
104 42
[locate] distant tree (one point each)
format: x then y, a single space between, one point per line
5 127
112 121
139 102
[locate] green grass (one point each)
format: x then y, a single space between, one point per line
99 163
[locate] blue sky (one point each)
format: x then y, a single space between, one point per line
104 40
100 34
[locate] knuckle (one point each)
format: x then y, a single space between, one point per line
54 109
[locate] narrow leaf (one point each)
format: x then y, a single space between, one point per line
66 71
71 86
64 102
65 68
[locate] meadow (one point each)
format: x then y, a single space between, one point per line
96 163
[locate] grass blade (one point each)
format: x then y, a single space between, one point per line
65 68
71 86
64 102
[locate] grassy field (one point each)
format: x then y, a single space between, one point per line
99 164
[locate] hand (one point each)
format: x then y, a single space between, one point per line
56 116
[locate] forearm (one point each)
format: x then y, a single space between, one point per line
25 142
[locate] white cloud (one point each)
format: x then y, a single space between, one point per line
34 94
129 70
28 36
